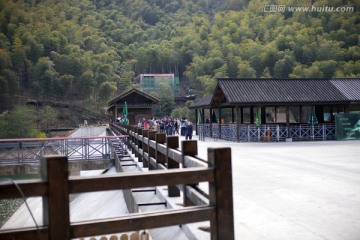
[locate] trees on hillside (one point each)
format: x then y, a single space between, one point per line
77 50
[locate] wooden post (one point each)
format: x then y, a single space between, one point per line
151 151
145 147
131 139
136 141
238 121
160 138
288 134
188 148
127 131
172 142
54 169
220 122
115 111
196 122
220 194
139 144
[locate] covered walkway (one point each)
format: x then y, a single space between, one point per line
247 109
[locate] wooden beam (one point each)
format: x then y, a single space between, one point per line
29 188
144 220
138 180
25 233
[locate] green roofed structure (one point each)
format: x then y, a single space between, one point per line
151 82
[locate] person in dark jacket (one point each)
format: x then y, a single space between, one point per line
183 127
189 130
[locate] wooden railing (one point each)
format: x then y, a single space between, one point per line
55 186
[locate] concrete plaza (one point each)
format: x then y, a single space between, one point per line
294 190
281 191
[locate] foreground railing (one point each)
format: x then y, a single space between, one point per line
156 151
252 133
179 170
31 150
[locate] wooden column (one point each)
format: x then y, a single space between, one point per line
220 194
232 115
160 138
139 144
242 114
288 134
145 147
238 121
251 115
54 169
196 122
128 138
131 139
151 151
220 123
172 142
188 148
115 111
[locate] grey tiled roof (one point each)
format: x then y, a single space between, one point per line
130 92
203 102
285 91
350 88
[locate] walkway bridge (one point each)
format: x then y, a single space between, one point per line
178 170
88 148
31 150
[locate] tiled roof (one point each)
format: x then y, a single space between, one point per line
285 91
350 88
130 92
203 102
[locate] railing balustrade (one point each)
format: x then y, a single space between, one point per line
55 185
31 150
278 132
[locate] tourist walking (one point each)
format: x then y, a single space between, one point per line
189 130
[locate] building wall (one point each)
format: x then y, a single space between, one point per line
150 83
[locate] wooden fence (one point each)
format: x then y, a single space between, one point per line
159 153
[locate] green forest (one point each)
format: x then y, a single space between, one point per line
75 51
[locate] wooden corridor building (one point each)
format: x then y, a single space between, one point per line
294 109
139 104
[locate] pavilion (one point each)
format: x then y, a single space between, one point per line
139 104
287 109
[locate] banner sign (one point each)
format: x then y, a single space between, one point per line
347 126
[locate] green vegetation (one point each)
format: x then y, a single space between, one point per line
80 50
23 121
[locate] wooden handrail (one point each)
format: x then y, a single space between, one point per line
55 187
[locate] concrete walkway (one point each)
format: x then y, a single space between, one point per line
297 190
288 191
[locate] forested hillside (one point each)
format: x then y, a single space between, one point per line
79 50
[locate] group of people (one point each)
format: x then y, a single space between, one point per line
169 126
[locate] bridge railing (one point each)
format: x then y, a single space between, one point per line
157 151
55 186
31 150
279 132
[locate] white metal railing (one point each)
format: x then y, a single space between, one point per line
31 150
278 132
